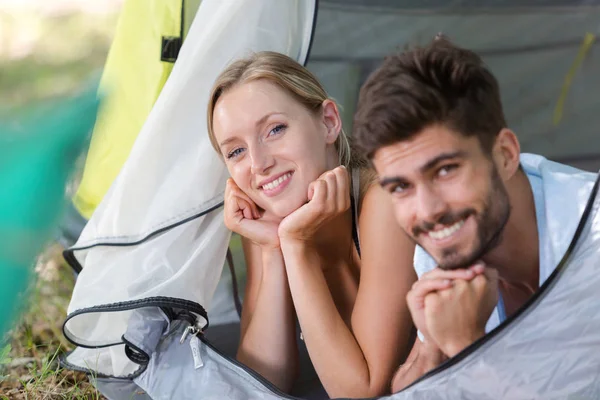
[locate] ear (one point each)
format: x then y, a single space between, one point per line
507 153
331 120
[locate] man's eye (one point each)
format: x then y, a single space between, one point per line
446 169
277 130
399 188
235 152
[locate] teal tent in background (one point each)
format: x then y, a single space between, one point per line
38 149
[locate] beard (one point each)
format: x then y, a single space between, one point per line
491 222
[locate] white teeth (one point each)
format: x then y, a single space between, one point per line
273 184
446 232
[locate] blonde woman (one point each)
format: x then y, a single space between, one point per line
299 199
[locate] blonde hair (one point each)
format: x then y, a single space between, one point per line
283 71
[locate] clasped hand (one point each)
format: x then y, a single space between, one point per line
451 308
328 197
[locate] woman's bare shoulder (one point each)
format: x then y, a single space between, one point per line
367 178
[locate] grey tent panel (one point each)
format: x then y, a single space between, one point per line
531 53
437 5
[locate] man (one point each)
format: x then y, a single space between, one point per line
490 223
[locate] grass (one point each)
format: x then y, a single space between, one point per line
65 51
29 360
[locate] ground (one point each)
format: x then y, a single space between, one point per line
29 361
46 52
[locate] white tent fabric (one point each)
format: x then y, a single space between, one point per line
153 241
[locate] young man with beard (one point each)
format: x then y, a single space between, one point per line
431 121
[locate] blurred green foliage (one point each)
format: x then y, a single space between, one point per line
43 56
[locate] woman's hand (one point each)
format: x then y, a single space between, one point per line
328 197
243 217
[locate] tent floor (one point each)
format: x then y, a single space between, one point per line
226 338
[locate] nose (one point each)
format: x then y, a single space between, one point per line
430 205
261 160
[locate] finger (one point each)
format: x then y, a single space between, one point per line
234 195
324 174
489 278
438 273
231 185
416 298
254 213
230 209
343 188
432 300
311 190
253 208
331 201
478 267
235 204
319 191
246 209
421 288
230 204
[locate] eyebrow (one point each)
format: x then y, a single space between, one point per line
442 157
224 142
424 168
266 117
259 122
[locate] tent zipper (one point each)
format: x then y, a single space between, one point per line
195 344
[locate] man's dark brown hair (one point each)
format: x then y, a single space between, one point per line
439 83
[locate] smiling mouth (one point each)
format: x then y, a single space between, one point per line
446 232
276 182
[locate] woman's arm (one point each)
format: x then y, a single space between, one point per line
267 339
267 336
359 363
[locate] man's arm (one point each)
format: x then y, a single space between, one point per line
422 359
427 355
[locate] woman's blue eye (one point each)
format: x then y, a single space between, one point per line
278 129
235 152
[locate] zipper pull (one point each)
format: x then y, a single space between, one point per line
185 333
195 346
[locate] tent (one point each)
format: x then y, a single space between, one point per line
153 250
147 40
38 150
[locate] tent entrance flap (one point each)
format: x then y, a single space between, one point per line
157 240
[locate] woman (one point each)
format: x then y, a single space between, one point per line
299 213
